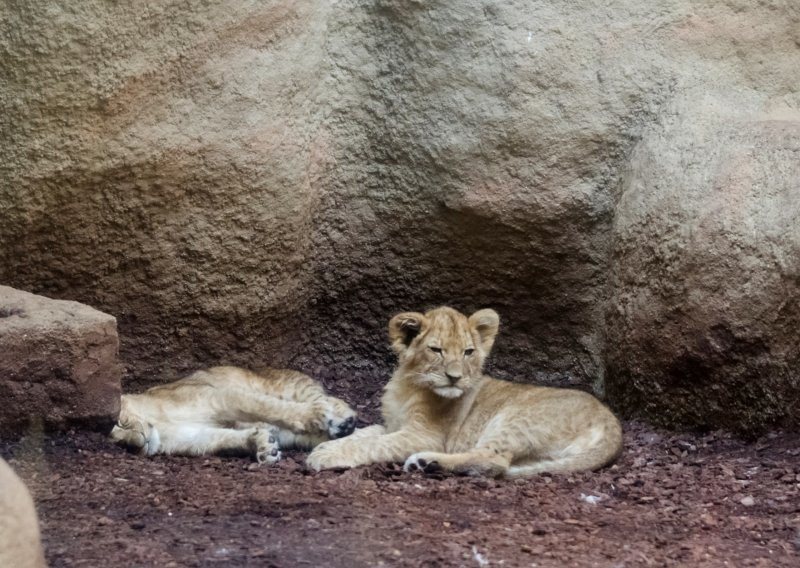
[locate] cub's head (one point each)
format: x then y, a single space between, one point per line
443 349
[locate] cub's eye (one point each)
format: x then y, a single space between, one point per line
469 352
435 349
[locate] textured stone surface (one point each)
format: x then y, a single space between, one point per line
705 313
268 182
58 365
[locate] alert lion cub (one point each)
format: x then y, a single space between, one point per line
228 409
441 412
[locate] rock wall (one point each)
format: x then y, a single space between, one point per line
164 165
705 307
268 182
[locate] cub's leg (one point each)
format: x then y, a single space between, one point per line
323 413
333 414
308 441
199 439
480 461
366 448
367 432
597 447
495 450
248 406
527 452
288 440
327 414
338 419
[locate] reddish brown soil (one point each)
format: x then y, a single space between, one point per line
671 500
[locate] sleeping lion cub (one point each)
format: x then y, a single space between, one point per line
228 409
441 412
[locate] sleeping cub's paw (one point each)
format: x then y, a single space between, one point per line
425 462
265 446
136 435
335 417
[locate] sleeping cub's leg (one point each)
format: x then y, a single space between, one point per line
334 416
199 439
247 406
288 440
326 414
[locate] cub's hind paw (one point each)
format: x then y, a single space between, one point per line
268 457
267 451
339 428
425 462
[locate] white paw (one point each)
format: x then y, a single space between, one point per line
142 437
270 457
422 461
153 441
266 445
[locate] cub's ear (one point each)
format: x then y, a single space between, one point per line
486 323
403 328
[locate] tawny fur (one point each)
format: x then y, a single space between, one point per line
441 412
228 409
20 545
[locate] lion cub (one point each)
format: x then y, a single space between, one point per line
441 412
228 409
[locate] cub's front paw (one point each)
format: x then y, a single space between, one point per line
327 456
425 462
339 426
136 435
335 418
265 446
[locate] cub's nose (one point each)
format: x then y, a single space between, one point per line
453 377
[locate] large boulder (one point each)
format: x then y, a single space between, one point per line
705 308
59 364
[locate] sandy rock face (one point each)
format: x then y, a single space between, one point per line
267 183
167 167
59 363
706 297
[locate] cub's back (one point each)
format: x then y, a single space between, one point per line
280 383
553 412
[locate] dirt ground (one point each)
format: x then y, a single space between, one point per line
671 500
